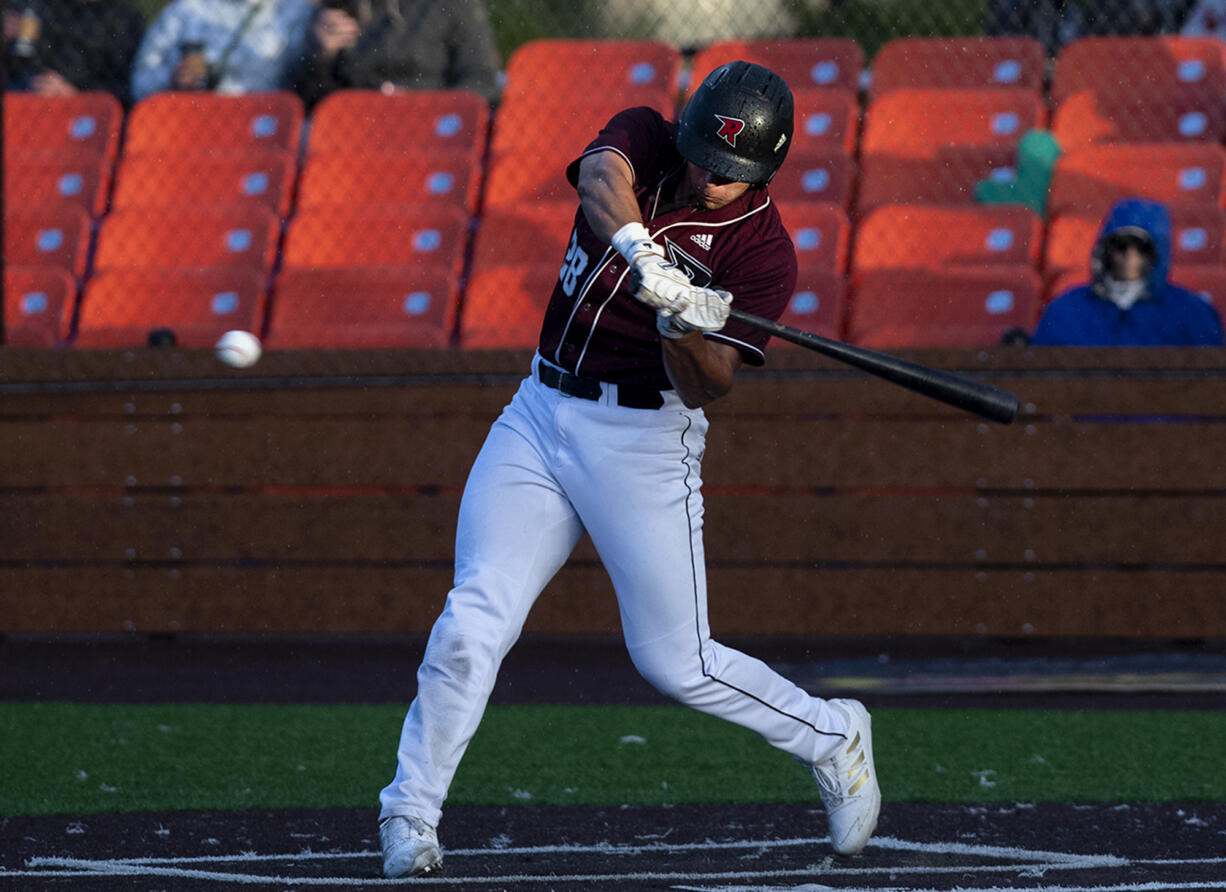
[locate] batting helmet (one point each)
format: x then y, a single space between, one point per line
738 123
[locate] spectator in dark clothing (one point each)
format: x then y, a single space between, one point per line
61 47
1055 23
399 44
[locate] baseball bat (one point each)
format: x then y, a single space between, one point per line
938 384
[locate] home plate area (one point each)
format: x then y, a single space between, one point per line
759 848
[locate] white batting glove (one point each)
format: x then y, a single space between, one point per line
707 310
653 281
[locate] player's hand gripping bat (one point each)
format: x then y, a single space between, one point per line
947 387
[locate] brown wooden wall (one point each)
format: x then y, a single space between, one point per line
316 493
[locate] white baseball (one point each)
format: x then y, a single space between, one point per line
238 349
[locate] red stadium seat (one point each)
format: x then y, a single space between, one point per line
81 178
814 177
893 308
48 235
340 181
820 232
817 306
1196 239
1089 180
948 179
329 238
1007 62
83 124
1087 118
803 62
38 305
370 122
264 178
121 307
1151 68
825 119
919 123
222 238
937 236
381 307
617 72
523 234
197 123
503 306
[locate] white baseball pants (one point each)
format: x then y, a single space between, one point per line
551 467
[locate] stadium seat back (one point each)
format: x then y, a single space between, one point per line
264 178
918 123
70 177
1004 62
503 306
818 306
48 235
201 123
38 305
346 181
86 123
803 62
1089 180
229 237
370 122
569 70
816 177
384 236
820 233
825 119
382 307
122 307
523 234
936 236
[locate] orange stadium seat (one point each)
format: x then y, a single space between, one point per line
948 179
1196 239
825 119
617 72
379 307
919 123
1089 180
531 146
195 123
817 306
38 305
365 122
48 235
418 179
1151 68
1087 118
523 234
820 232
503 305
813 177
83 124
81 178
941 308
384 236
121 307
959 62
229 237
936 236
264 178
801 61
951 180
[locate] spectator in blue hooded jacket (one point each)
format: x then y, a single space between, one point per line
1130 302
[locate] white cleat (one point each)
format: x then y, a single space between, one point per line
847 782
410 848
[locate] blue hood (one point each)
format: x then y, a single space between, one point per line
1134 214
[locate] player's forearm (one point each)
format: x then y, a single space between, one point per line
606 194
700 370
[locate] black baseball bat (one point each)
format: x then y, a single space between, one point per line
947 387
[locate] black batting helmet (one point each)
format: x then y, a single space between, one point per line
738 123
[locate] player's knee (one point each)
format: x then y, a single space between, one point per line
674 677
460 650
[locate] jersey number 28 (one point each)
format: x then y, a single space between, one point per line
573 266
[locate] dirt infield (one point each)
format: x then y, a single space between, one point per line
709 848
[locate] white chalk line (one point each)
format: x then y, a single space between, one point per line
1017 860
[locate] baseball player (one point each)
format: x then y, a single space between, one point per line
607 435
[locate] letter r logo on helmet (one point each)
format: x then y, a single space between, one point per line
729 128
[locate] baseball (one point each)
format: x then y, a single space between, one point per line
238 349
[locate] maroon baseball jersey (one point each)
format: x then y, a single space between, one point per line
595 327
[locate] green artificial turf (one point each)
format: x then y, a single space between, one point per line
73 758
